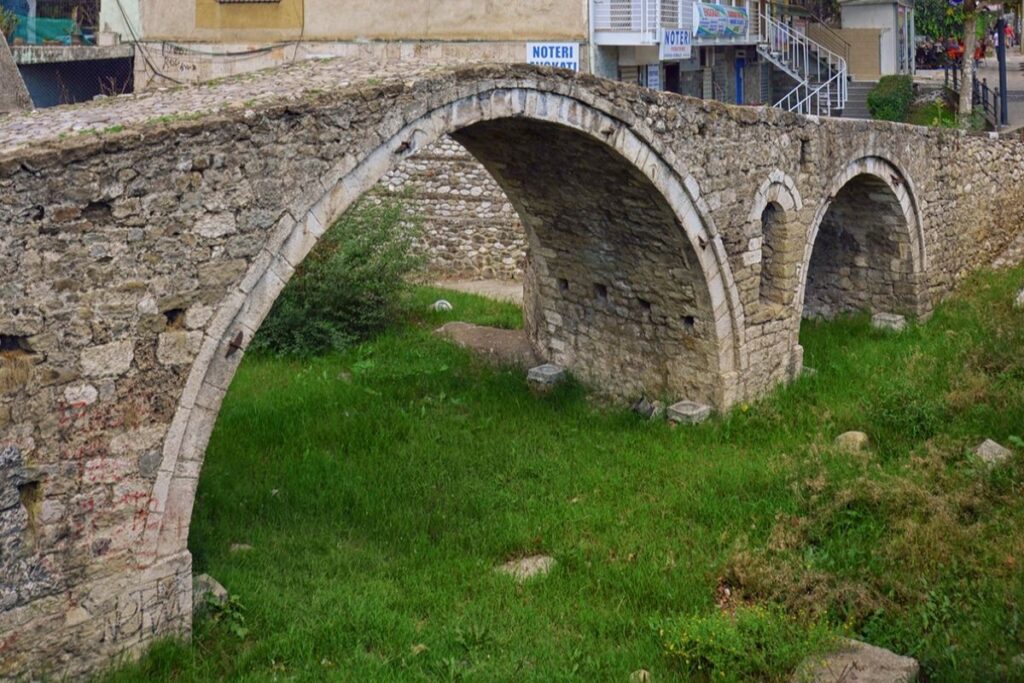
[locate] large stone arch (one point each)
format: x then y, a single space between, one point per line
875 256
480 121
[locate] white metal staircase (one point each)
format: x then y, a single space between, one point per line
820 74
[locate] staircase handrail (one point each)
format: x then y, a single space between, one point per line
815 95
835 34
805 59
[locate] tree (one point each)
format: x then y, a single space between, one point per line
970 9
938 19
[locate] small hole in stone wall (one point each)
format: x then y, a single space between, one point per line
13 343
805 150
97 211
37 213
601 292
563 284
30 493
645 305
31 496
689 323
175 318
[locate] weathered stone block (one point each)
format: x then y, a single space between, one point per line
204 588
525 568
857 662
888 321
108 360
852 442
992 453
178 347
688 412
546 376
647 409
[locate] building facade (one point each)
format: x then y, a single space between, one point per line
199 40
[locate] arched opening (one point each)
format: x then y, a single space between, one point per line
616 289
865 250
613 286
771 289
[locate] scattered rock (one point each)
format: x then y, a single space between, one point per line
857 662
640 676
504 347
205 585
240 547
526 568
991 453
1019 301
688 412
441 305
650 410
888 321
808 372
546 376
852 442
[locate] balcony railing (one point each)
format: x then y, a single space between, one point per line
640 20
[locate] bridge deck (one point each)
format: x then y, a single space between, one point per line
289 82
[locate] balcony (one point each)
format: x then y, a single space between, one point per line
640 22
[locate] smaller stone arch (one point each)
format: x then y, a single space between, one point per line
865 249
773 247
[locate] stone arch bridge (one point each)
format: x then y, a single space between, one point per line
674 246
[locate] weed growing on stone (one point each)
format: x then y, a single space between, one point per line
380 486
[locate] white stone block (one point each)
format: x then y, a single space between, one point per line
546 375
688 412
991 453
108 360
888 321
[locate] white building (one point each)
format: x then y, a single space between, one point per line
738 52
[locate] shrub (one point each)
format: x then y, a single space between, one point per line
752 643
890 100
350 287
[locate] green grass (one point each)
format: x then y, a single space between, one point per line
380 487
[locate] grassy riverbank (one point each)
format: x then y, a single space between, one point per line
379 488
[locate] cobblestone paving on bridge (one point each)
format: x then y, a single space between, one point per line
237 92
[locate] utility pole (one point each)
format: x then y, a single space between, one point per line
1001 56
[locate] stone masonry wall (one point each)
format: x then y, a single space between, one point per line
143 239
468 226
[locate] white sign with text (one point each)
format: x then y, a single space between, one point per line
558 55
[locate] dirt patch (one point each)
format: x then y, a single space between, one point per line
498 346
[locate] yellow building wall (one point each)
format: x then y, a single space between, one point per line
345 20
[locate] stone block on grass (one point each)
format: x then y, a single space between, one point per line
525 568
857 662
688 412
992 453
546 376
889 321
204 586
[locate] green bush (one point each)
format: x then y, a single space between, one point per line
890 100
350 287
752 643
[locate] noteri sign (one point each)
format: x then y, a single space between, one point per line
558 55
676 43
